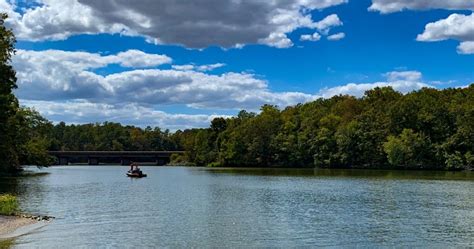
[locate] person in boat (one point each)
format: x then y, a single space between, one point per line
136 170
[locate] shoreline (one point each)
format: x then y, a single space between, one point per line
18 225
274 167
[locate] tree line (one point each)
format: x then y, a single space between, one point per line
384 129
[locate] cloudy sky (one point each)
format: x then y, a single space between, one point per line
179 63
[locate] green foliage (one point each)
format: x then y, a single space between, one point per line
455 161
409 150
179 160
214 164
7 243
9 161
110 136
33 138
23 132
469 157
425 129
8 205
459 161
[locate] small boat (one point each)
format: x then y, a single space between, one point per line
135 171
136 174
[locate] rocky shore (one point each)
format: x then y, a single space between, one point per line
13 226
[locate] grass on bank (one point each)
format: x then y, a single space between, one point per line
8 205
7 244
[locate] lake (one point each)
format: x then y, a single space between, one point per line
98 206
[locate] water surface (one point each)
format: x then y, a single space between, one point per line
99 206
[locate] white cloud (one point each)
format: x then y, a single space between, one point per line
389 6
61 86
358 90
6 6
313 37
56 74
225 23
337 37
9 8
325 25
62 75
278 40
319 4
403 76
137 58
59 19
85 60
200 68
187 67
466 47
198 90
402 81
209 67
80 111
456 26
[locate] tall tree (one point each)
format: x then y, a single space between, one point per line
9 161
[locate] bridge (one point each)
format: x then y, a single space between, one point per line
122 157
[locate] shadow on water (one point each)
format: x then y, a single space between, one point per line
28 188
16 185
9 185
352 173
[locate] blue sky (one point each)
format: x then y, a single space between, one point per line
178 65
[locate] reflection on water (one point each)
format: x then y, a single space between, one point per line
9 185
386 174
198 207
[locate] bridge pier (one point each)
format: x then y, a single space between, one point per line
63 161
160 161
93 161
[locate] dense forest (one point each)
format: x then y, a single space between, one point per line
424 129
108 137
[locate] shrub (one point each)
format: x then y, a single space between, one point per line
214 164
8 204
409 150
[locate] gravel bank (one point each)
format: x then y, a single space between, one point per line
13 226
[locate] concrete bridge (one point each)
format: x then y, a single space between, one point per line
122 157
